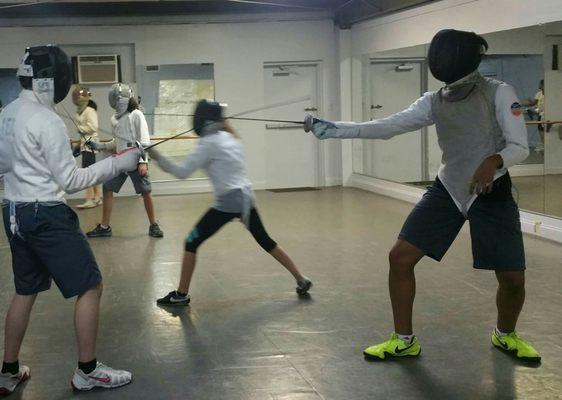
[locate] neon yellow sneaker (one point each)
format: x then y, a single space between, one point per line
393 347
517 346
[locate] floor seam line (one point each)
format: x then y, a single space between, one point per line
293 365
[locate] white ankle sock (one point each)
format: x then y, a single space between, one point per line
104 226
500 333
406 338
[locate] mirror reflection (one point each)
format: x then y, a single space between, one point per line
524 59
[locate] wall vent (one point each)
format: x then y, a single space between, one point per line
98 69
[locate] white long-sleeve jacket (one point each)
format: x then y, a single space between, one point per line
421 114
42 165
130 128
87 124
221 155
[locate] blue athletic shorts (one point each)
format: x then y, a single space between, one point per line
50 246
495 227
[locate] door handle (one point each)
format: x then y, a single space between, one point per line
310 109
377 107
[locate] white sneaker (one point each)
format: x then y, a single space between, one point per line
103 376
99 201
87 204
8 382
304 286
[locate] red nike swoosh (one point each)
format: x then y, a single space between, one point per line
103 380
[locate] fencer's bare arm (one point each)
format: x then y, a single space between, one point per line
512 124
412 119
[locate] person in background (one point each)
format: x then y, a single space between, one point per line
87 123
539 111
129 126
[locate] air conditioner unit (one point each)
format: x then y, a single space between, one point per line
98 69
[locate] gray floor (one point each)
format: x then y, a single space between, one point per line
247 335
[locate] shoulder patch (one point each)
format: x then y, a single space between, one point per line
516 109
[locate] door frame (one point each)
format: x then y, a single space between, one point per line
422 62
320 173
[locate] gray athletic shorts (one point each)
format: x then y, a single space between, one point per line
141 183
495 228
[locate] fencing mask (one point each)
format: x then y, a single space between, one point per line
118 97
51 73
81 97
455 54
207 117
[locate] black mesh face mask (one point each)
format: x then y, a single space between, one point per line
205 113
455 54
51 62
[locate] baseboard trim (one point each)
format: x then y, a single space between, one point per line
553 170
527 170
333 181
538 225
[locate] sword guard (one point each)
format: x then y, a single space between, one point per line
309 120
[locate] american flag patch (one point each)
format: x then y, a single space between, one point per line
516 109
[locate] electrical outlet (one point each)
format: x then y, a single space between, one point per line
537 226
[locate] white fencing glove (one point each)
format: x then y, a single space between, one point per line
323 129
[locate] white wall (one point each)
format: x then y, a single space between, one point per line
417 26
407 33
238 52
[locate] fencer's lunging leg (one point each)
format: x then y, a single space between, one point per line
510 298
107 207
283 258
261 236
402 284
207 226
86 318
187 269
16 325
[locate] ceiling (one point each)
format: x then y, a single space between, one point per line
344 12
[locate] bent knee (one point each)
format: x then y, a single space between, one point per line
267 243
513 281
404 255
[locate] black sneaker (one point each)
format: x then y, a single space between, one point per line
304 286
100 231
174 299
155 231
